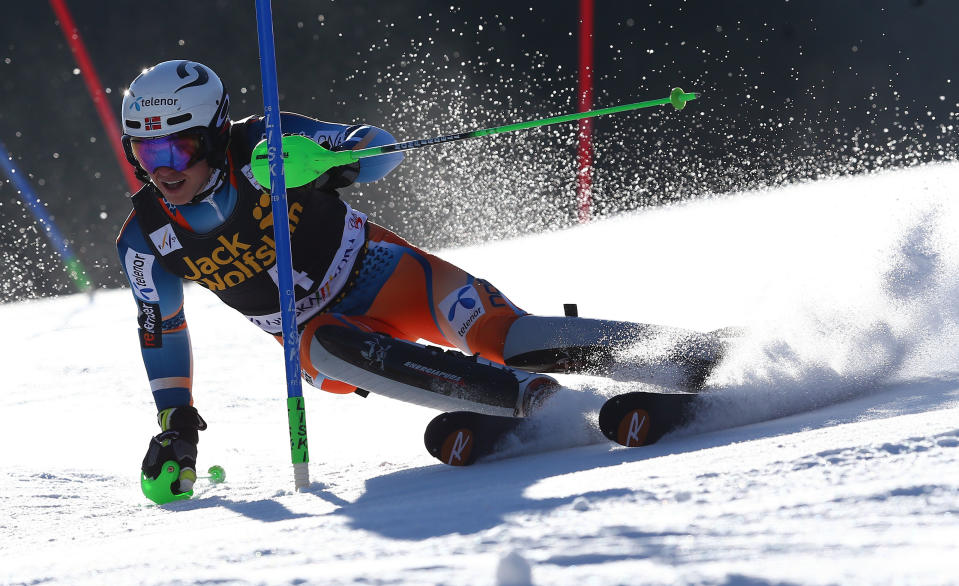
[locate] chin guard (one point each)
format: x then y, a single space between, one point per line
160 489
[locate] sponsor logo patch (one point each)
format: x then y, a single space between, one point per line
447 376
151 325
462 308
633 428
248 173
355 221
165 240
375 353
457 447
140 270
149 102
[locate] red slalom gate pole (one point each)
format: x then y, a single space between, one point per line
95 89
584 151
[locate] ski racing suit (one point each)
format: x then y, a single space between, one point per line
350 276
364 295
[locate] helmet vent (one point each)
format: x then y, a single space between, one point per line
178 119
133 123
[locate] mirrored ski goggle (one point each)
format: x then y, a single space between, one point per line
179 151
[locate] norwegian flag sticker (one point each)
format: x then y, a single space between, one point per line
152 122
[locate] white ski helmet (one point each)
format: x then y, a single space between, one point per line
172 97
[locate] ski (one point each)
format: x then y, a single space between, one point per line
642 418
458 438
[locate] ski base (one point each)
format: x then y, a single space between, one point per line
642 418
459 438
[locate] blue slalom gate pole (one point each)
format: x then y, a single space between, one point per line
295 406
29 197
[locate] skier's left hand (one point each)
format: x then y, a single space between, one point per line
337 177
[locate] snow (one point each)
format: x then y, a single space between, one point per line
827 453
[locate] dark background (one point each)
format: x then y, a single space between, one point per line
792 91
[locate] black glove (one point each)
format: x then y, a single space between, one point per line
337 177
178 442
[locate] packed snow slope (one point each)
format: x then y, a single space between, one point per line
828 452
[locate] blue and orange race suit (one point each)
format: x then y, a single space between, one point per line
347 270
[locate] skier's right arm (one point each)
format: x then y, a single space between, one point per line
164 337
165 347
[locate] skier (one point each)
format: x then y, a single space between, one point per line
363 293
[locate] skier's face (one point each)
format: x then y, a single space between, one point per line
179 187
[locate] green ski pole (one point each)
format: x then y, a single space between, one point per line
304 160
